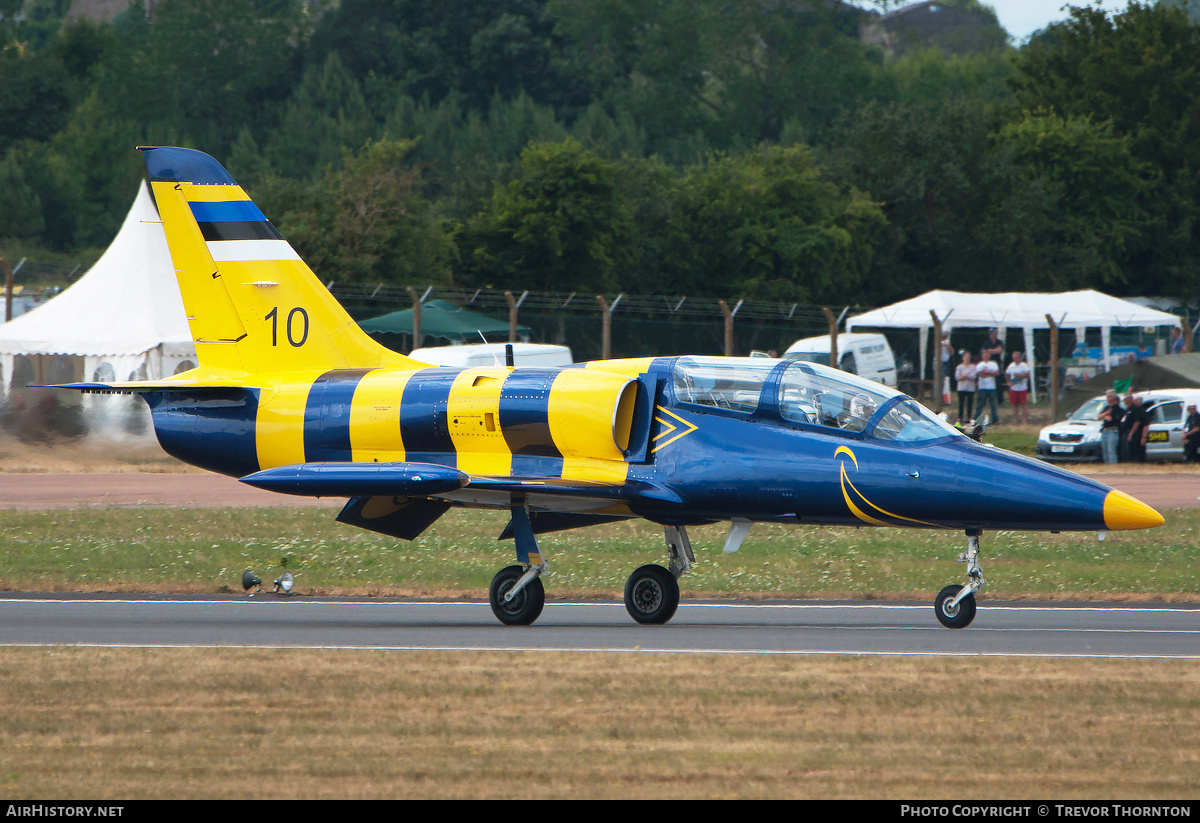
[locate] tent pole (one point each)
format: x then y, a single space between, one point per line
936 391
8 287
1053 369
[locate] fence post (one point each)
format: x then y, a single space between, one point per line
416 333
834 360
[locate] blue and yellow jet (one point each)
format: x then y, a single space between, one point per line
290 395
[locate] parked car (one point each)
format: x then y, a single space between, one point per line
867 355
1078 437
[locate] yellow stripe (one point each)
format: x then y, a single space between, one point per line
582 411
199 193
473 418
279 433
375 417
630 367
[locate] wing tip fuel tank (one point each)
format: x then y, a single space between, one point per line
1123 512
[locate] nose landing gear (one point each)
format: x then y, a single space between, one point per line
955 605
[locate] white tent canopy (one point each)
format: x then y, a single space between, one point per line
124 313
1075 309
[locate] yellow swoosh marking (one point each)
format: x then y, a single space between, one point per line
854 509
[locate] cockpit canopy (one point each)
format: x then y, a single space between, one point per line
806 394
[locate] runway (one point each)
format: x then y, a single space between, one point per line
896 629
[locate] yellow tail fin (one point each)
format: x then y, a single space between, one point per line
253 305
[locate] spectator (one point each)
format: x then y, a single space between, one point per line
1018 374
1191 435
994 346
1110 427
964 378
985 385
1177 346
1138 430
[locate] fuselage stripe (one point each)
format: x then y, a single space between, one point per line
424 425
327 416
525 414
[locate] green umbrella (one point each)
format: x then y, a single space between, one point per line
440 318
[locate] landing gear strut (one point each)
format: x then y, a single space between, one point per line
955 605
517 595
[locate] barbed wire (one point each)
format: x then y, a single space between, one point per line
585 302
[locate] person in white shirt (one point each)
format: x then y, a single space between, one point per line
985 382
1018 374
964 378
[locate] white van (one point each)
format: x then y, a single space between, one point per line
492 354
867 355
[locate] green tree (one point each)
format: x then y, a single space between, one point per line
1070 209
1140 71
711 73
928 165
561 223
367 220
770 224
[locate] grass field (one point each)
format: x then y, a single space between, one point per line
206 550
185 723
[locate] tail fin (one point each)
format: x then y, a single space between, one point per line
253 305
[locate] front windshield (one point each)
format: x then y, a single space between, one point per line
824 397
910 422
1090 410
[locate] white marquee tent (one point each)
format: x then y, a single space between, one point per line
1079 310
122 320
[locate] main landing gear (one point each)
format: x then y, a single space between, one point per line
651 593
955 605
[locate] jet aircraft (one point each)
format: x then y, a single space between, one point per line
291 396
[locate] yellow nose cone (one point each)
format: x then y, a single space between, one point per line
1124 512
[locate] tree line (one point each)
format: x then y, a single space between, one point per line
757 149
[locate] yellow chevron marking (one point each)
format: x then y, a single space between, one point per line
855 510
670 427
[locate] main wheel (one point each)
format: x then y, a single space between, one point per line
651 595
958 617
523 609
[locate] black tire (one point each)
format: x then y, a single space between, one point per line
523 609
651 595
961 615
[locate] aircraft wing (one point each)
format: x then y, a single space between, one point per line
429 479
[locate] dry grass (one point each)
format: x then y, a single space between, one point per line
127 724
89 455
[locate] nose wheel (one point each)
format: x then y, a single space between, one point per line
952 613
955 605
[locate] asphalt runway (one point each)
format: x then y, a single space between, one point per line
893 629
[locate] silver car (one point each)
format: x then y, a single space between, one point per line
1078 437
